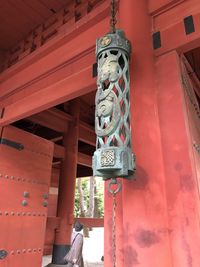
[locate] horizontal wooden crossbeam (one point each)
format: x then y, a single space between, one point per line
53 119
178 16
83 159
58 120
91 222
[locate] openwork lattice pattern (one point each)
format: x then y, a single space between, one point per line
113 100
113 157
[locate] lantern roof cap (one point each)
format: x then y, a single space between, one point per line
113 41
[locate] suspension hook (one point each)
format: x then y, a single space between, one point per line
112 182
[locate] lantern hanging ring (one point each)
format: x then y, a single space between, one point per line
112 182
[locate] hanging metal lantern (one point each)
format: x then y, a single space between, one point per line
113 156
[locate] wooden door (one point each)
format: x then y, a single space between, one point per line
25 171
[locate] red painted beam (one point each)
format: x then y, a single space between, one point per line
53 119
55 76
91 222
59 151
173 34
62 49
160 6
87 134
56 139
182 42
73 86
84 160
58 120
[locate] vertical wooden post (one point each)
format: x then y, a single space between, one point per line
144 219
67 188
181 179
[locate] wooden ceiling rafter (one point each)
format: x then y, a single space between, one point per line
56 139
29 35
83 159
58 120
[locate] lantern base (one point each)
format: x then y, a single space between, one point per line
113 162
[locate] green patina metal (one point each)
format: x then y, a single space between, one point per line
113 156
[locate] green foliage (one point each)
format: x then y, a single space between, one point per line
98 197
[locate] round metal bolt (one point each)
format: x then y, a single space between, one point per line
23 213
24 203
12 252
45 196
6 213
12 177
18 213
26 194
18 251
6 176
39 249
23 251
45 204
29 250
0 175
12 213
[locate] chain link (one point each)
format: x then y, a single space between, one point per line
114 191
114 229
113 20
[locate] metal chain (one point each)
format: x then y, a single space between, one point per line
113 20
114 229
116 183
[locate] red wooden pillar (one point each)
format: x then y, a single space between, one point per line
66 194
145 221
180 176
146 241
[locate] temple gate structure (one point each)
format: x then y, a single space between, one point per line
47 108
